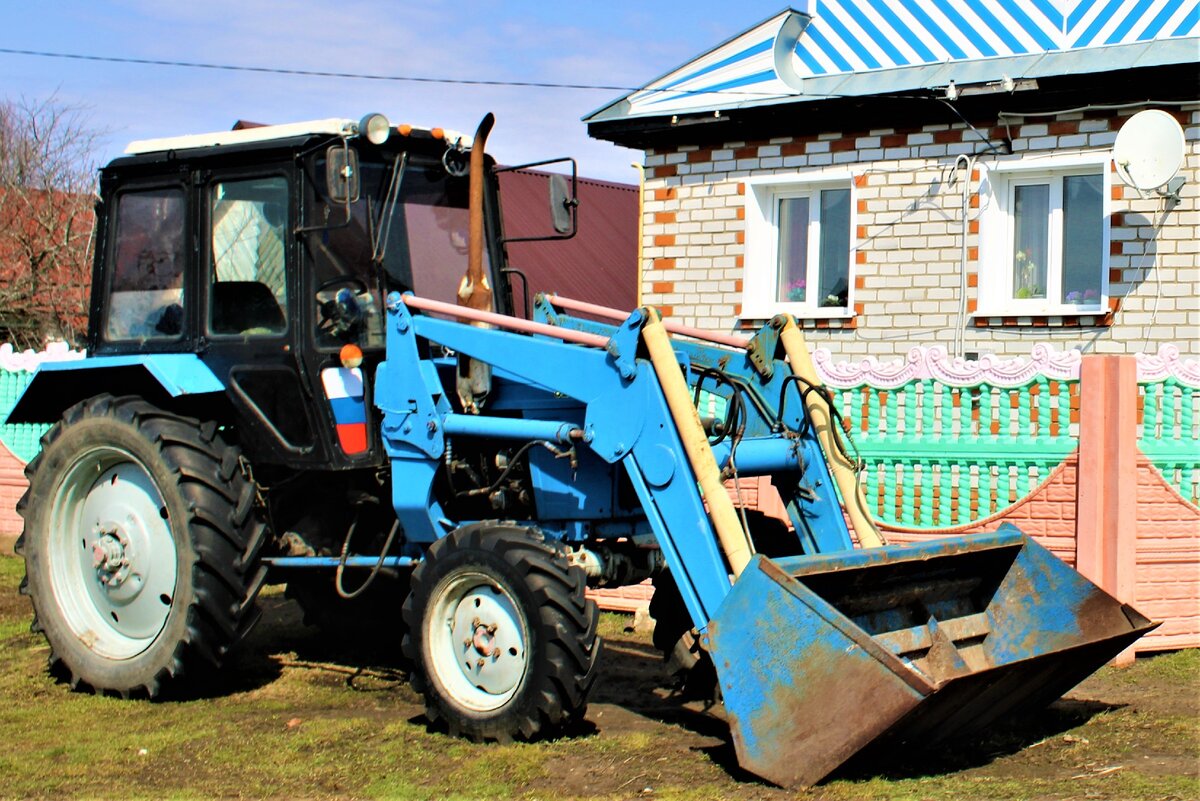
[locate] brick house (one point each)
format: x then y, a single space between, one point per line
925 173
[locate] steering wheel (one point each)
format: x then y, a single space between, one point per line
341 314
344 279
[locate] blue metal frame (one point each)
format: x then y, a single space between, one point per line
625 421
177 373
774 404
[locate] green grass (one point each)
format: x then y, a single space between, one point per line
290 722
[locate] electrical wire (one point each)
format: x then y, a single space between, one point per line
965 165
1144 266
1096 107
367 76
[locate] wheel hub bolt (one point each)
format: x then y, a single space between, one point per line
110 558
484 640
108 553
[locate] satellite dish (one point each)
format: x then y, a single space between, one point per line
1148 150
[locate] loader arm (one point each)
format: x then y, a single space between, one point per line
821 654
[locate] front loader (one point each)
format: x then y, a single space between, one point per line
314 403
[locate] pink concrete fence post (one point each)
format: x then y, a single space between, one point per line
1106 500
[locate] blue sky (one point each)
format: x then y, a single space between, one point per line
616 42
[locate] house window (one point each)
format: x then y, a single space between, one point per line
798 250
1046 242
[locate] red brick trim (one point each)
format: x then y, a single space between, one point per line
1102 320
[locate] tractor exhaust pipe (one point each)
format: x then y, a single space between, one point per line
474 380
474 290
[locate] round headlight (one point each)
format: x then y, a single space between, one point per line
375 127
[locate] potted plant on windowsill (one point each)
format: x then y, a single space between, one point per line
1027 275
1086 297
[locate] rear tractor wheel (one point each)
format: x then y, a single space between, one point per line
139 543
503 641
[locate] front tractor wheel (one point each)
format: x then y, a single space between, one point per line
503 640
139 537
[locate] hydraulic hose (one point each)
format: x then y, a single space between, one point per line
845 473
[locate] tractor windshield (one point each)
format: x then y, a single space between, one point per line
420 238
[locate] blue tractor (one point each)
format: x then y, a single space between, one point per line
303 368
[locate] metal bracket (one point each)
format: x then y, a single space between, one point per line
622 345
761 350
411 414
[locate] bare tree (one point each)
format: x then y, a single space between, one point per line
47 185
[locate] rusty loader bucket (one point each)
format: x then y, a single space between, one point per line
824 657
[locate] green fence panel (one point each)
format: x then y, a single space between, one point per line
21 438
937 455
1168 433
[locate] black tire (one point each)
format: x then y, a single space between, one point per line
689 668
204 546
526 581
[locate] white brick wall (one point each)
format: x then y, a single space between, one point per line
907 247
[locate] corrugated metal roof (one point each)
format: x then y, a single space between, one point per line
599 264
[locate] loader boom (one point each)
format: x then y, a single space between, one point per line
826 650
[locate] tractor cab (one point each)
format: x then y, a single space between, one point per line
267 252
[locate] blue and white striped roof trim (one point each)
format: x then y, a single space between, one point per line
797 52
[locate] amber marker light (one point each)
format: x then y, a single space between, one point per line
437 133
351 356
404 129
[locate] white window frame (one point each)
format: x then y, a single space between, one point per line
998 228
759 283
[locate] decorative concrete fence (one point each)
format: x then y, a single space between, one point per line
953 446
19 443
948 441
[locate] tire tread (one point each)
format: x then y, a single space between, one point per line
224 534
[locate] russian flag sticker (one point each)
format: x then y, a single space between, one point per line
344 389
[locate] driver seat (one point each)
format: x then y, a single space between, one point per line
245 307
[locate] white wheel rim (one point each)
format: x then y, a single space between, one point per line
477 640
112 557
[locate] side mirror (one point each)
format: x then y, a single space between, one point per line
561 203
564 200
341 174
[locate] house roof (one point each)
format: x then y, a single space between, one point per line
598 264
859 48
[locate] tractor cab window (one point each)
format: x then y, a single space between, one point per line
431 223
145 297
346 293
248 294
411 218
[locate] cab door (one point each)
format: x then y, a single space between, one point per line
249 285
341 306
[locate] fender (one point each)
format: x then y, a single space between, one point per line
57 385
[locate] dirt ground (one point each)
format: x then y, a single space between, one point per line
298 714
